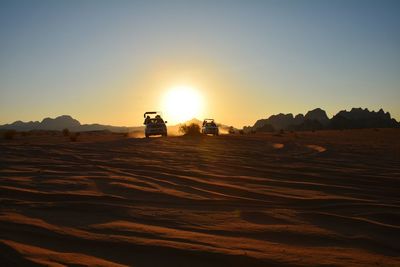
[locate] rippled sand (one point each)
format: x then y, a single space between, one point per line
294 199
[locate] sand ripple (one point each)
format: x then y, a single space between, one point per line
257 200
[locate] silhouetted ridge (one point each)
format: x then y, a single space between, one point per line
65 121
362 118
313 120
317 115
278 122
317 119
59 123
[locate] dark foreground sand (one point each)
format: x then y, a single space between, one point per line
302 199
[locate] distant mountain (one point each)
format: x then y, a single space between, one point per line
317 119
362 118
22 126
288 121
65 121
318 115
59 123
278 122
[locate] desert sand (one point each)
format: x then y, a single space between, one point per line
326 198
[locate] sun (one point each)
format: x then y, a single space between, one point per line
182 103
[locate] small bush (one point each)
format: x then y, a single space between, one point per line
241 132
65 132
191 129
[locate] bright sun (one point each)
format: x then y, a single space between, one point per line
182 103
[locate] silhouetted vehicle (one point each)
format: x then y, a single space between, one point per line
209 127
155 125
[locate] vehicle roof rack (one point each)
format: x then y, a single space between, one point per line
152 112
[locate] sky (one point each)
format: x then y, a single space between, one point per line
110 61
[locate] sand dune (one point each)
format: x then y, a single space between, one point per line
326 198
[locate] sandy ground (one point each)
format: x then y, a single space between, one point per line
327 198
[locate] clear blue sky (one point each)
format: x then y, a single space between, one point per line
109 61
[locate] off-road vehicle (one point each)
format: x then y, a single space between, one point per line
155 125
209 127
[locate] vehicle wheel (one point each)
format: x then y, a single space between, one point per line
165 135
147 136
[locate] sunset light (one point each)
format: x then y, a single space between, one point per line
182 103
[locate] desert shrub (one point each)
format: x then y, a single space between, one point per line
241 132
65 132
9 134
191 129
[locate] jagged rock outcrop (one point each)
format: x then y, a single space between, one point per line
318 115
299 119
317 119
278 122
59 123
358 118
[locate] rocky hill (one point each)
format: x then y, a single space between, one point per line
358 118
317 119
63 122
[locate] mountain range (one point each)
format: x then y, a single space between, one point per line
317 119
67 122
